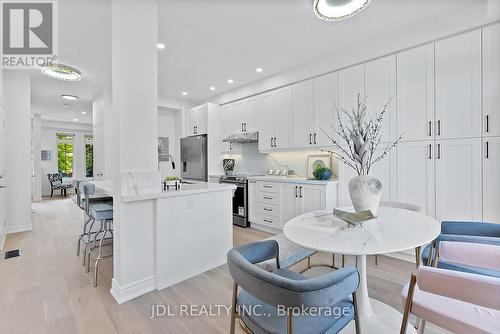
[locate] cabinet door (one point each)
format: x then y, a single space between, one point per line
283 118
491 80
238 117
288 199
416 174
458 86
458 179
491 180
325 98
191 121
250 114
2 144
201 119
351 82
226 126
385 170
303 113
380 88
415 97
252 201
312 198
99 151
266 120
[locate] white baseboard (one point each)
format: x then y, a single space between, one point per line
265 228
125 293
402 256
17 229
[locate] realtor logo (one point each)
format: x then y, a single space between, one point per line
28 33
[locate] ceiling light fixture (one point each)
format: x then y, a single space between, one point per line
338 10
258 69
212 88
62 72
184 93
230 81
75 119
70 97
84 112
160 46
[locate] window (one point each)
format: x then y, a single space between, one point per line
89 156
65 154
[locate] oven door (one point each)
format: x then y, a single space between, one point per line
240 209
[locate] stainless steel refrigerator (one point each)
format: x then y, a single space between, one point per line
194 158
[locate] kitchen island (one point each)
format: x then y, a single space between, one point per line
192 232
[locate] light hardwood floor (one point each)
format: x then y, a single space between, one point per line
46 290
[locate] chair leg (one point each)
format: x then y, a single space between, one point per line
333 260
233 308
343 260
356 313
289 323
376 259
417 256
408 304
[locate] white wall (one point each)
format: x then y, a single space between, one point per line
17 89
49 142
36 140
168 127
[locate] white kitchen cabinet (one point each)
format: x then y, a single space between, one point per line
491 80
245 115
415 93
227 116
252 201
99 152
238 117
303 114
351 82
325 113
283 118
491 179
266 121
289 202
458 179
416 174
196 120
380 90
458 86
312 198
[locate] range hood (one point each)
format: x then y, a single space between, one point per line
245 137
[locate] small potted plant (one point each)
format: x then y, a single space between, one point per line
360 135
171 182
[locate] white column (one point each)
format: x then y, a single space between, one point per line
135 132
17 86
36 192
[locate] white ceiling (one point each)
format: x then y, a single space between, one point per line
210 41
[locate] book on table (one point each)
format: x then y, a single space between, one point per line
354 218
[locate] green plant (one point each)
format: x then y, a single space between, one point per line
171 178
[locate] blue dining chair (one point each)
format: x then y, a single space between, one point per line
281 301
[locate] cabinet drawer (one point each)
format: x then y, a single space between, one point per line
268 210
270 198
265 220
268 187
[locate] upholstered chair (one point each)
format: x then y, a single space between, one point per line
460 302
275 302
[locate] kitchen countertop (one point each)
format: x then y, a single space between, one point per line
303 180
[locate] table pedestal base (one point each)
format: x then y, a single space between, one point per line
384 320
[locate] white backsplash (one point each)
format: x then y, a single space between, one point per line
251 161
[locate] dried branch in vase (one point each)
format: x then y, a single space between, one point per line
361 136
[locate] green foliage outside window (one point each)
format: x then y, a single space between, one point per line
65 159
89 160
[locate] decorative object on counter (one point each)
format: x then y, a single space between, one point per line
361 135
228 166
317 160
270 172
322 173
172 182
291 173
163 149
354 218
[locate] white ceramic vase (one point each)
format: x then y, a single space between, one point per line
365 193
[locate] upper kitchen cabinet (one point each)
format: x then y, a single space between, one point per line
351 82
415 97
245 115
266 121
227 128
491 80
282 137
380 90
196 120
325 98
303 114
458 86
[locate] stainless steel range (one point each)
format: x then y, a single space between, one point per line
240 199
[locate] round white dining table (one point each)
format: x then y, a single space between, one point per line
393 230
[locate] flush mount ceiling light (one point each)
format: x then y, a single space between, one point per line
62 72
230 81
160 46
70 97
258 69
75 119
84 112
212 88
338 10
184 93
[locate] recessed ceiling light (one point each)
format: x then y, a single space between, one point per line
230 81
84 112
212 88
338 10
70 97
67 105
62 72
75 119
160 46
184 93
258 69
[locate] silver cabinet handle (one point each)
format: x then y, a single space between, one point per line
487 123
245 126
439 128
266 209
314 139
296 191
268 187
430 151
274 141
269 198
310 139
252 181
430 128
487 150
439 151
230 146
242 127
300 192
268 221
